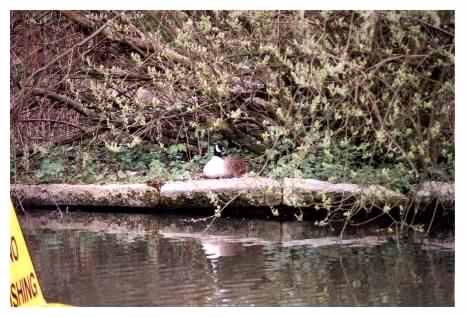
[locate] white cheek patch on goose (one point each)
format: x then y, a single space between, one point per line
215 168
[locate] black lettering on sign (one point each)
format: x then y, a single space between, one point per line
13 295
23 290
14 252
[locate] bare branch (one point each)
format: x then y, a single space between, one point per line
50 94
53 121
56 59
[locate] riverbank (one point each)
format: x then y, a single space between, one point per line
301 199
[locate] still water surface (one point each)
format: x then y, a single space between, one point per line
89 259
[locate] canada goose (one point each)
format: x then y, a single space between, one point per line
224 167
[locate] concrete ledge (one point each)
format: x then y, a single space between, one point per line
308 192
244 192
427 191
112 195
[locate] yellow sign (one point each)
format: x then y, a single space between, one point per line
24 284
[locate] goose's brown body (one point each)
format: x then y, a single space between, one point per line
235 166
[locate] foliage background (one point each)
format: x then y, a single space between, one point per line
345 96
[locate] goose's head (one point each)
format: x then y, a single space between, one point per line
219 150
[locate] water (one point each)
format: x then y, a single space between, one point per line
89 259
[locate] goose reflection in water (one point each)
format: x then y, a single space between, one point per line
215 248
